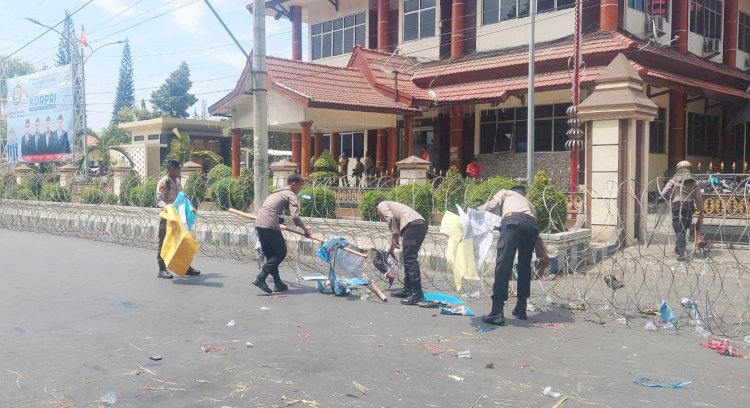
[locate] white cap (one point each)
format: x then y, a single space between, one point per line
684 165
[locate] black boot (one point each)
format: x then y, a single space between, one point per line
261 284
192 272
520 310
403 293
415 298
496 315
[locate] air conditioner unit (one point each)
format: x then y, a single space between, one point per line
747 62
711 46
657 25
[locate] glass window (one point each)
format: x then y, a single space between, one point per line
542 135
706 17
337 37
636 5
702 130
743 40
509 128
657 133
504 137
487 134
543 6
490 11
520 132
353 144
419 19
560 134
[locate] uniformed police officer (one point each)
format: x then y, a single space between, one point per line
411 226
269 230
685 195
519 233
166 191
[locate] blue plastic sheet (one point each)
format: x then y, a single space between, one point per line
647 382
185 210
666 313
442 297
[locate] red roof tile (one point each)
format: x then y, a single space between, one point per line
665 78
329 87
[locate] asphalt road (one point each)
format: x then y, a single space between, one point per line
81 319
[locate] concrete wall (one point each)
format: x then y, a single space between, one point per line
428 48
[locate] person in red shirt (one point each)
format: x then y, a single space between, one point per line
474 169
425 154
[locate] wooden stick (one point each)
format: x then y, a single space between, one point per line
371 283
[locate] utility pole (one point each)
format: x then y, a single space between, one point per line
530 100
260 105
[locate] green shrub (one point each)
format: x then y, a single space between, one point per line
129 182
36 182
144 195
95 195
195 189
326 163
416 196
550 203
23 192
451 191
367 205
56 193
6 185
479 193
318 201
233 193
218 172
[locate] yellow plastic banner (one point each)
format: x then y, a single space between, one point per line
459 253
179 245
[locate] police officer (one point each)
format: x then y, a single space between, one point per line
519 233
684 193
166 191
411 226
269 231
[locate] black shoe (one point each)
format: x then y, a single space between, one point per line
192 272
280 287
403 293
520 310
681 257
262 285
414 299
164 275
497 320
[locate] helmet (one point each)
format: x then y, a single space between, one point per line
684 165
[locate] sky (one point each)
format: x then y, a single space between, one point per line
162 34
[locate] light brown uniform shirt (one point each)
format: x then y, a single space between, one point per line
274 206
397 216
509 202
167 190
687 190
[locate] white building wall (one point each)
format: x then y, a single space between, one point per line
326 12
511 33
427 48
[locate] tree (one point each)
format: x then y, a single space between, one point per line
172 97
65 52
108 140
182 151
125 97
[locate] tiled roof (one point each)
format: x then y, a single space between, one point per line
697 86
497 61
494 90
324 86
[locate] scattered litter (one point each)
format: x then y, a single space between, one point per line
248 344
555 325
433 305
651 311
278 296
692 309
666 313
622 320
212 349
155 358
747 339
437 349
561 401
361 387
575 306
457 378
265 309
459 310
475 295
724 347
647 382
231 323
109 399
464 354
304 334
288 401
486 329
490 366
613 283
650 326
550 277
669 325
531 308
549 392
442 297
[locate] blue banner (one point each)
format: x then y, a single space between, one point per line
40 117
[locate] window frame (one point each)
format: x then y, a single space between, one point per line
706 21
743 25
520 9
516 120
325 36
419 12
657 135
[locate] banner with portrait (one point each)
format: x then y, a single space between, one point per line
40 117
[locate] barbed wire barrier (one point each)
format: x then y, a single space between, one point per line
604 283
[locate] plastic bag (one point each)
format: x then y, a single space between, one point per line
185 210
179 246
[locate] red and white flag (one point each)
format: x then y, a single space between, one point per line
84 40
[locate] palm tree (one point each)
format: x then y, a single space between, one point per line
109 139
182 151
